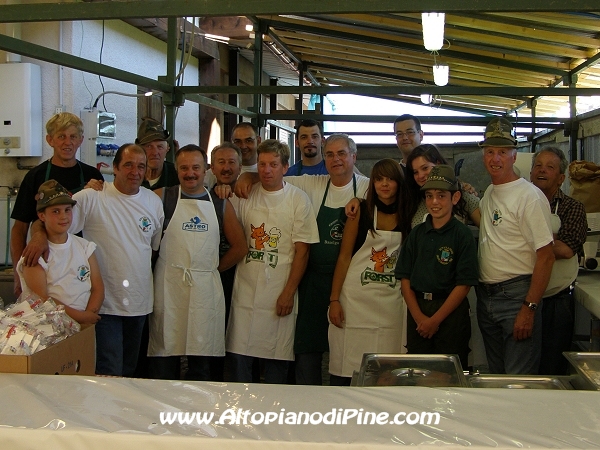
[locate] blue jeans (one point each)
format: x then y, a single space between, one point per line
309 368
275 370
118 344
497 308
558 318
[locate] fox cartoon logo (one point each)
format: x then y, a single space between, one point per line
380 258
259 236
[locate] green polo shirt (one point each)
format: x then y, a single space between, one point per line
437 260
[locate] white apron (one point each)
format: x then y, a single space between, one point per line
564 271
189 306
254 328
372 304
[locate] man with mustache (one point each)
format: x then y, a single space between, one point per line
189 305
246 137
310 140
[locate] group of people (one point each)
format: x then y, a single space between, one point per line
258 260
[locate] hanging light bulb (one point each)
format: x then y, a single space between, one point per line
426 99
433 30
440 74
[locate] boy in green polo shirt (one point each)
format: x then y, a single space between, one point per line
437 267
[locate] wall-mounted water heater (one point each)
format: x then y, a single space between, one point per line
21 128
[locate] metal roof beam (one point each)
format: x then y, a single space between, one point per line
504 91
404 45
42 53
127 9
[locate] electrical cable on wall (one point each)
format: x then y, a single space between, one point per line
81 71
100 61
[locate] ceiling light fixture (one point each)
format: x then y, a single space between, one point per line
441 73
433 30
426 99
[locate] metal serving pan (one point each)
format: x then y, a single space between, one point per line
517 382
379 369
587 366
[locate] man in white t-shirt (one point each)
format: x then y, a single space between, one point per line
515 258
125 221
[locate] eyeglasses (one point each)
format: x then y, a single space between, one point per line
247 141
408 134
341 154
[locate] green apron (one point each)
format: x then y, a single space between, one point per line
81 179
314 289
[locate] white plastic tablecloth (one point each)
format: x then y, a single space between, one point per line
44 411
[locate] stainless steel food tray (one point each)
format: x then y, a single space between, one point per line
587 365
516 382
379 369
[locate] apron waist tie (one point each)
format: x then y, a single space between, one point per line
187 273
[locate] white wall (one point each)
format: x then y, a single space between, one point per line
126 48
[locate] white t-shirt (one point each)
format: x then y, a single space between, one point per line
515 222
67 272
210 179
126 229
314 186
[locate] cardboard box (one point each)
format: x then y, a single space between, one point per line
75 355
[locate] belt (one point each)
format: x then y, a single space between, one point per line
494 288
430 295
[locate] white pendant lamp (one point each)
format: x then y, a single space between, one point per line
433 30
440 74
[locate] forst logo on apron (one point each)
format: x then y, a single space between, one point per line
195 224
381 262
260 237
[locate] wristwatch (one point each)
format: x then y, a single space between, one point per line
531 306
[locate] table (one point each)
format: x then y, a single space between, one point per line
99 413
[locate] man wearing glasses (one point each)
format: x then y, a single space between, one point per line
409 135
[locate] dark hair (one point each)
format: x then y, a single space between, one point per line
428 151
192 148
405 117
432 154
119 155
309 123
247 125
390 169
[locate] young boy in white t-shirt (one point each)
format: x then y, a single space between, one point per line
71 275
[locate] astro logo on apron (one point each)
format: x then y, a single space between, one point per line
378 274
195 224
496 217
145 224
257 252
